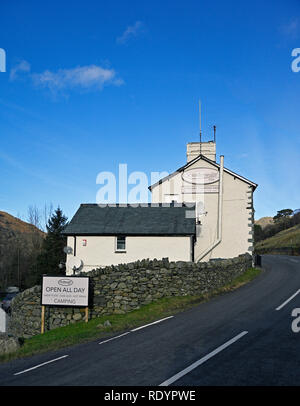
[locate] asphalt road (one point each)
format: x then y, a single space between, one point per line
239 338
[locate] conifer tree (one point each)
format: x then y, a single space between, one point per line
52 253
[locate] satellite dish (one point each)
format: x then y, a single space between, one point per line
74 263
68 250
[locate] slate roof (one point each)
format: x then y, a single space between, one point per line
145 219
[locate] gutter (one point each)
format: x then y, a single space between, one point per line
220 214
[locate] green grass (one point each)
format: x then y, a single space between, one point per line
286 238
83 332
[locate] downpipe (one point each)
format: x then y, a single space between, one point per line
220 214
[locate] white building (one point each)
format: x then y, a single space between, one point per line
224 202
199 212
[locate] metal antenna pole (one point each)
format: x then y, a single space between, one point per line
200 124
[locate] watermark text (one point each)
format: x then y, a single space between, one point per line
2 60
296 62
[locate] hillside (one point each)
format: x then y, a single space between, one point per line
13 229
287 240
18 243
264 221
12 225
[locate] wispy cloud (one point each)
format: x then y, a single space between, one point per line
82 77
90 77
130 32
291 29
22 66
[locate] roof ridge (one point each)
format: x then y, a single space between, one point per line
144 205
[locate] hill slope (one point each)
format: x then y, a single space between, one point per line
12 225
18 242
287 240
14 230
264 221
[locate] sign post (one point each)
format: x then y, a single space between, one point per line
70 291
43 320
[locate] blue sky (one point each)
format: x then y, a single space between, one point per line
90 85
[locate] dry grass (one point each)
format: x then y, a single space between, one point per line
285 238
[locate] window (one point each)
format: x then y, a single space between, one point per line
121 243
171 198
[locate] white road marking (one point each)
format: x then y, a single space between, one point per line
150 324
202 360
40 365
288 300
135 329
294 260
114 338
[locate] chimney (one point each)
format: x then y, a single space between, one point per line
194 149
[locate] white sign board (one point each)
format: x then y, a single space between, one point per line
200 176
65 291
200 180
200 189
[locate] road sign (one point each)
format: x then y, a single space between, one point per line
65 291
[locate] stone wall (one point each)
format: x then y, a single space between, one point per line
8 344
120 289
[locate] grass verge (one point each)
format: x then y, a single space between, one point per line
81 332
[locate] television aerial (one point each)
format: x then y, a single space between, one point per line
68 250
74 263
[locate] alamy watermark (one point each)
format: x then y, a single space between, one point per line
296 322
2 60
296 62
132 189
129 188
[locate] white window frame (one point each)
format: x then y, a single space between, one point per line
116 243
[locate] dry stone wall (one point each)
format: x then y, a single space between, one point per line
120 289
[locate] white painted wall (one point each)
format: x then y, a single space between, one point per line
208 149
101 250
236 219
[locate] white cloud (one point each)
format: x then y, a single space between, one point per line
82 77
22 66
291 29
131 31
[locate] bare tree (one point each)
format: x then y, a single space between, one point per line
47 212
34 216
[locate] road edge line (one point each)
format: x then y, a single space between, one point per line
40 365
